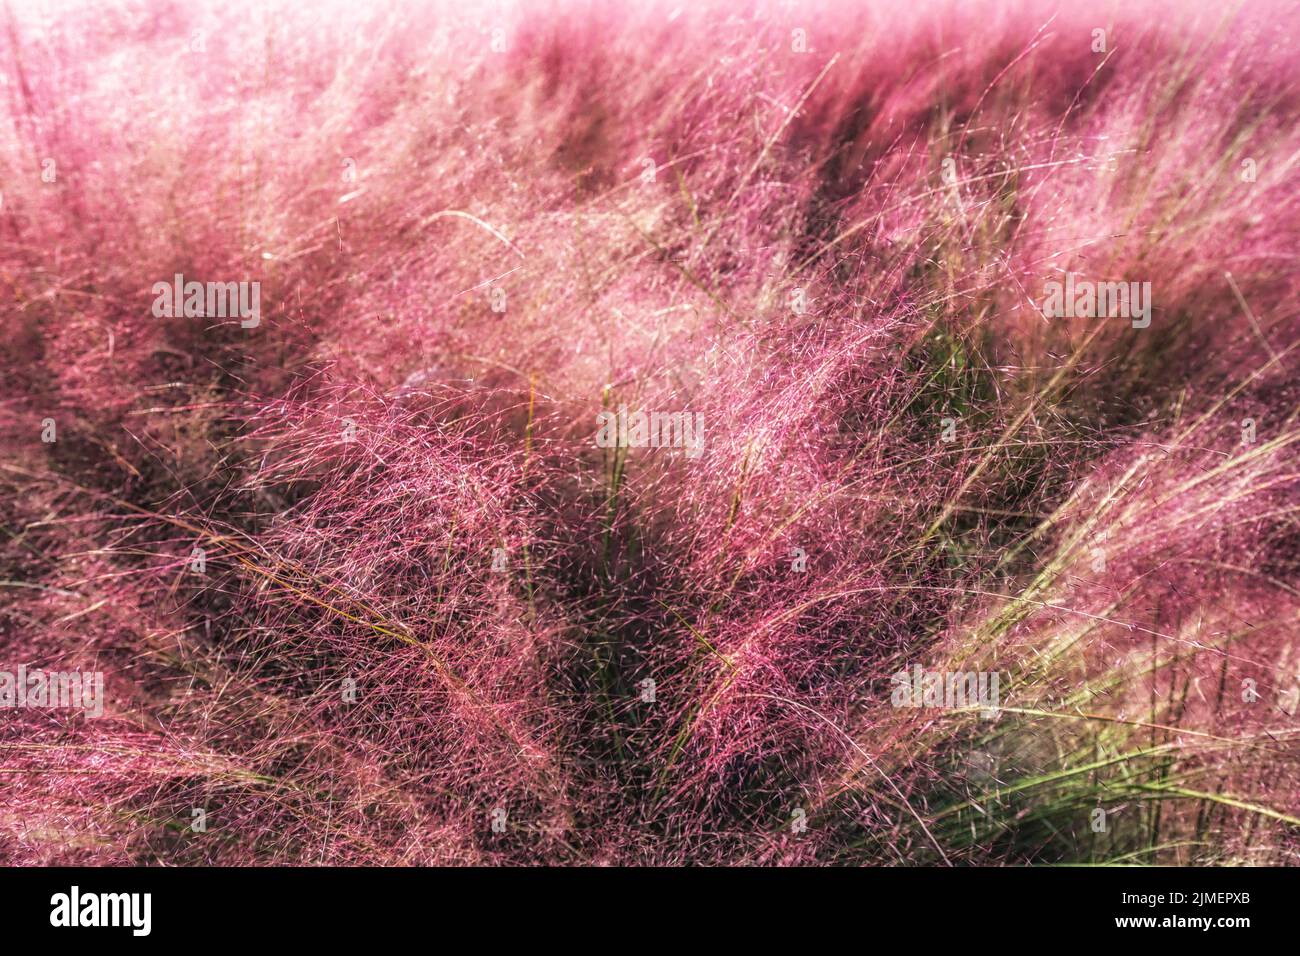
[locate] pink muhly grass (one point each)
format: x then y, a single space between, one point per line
434 621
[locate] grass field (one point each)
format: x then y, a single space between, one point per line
594 429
